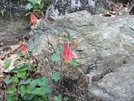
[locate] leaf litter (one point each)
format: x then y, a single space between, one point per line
8 55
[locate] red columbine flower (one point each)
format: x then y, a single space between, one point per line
23 49
33 18
67 53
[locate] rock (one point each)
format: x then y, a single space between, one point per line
63 7
14 20
105 44
99 37
45 42
115 86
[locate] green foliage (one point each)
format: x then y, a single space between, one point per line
57 55
35 5
12 89
21 74
7 64
7 80
21 68
60 98
2 12
124 12
22 84
67 36
56 76
74 62
19 53
103 11
11 97
30 89
23 87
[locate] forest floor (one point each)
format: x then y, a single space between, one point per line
9 45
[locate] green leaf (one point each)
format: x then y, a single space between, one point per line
23 67
60 97
21 74
55 57
25 89
29 6
33 84
55 31
40 82
55 98
32 1
12 89
19 53
74 62
38 98
56 76
68 36
38 2
41 6
11 97
76 52
45 97
15 78
25 82
102 10
44 79
36 90
28 97
7 64
65 98
27 14
26 56
2 12
7 80
58 51
45 89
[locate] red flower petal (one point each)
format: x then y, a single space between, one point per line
33 18
23 49
67 53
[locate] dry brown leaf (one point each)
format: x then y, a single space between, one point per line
1 93
2 77
15 47
1 67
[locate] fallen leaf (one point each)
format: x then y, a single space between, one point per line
2 77
15 47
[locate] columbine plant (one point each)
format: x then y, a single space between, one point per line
35 5
65 54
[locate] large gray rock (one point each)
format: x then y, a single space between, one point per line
115 86
63 7
105 44
100 38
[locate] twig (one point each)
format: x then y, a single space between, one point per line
131 7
